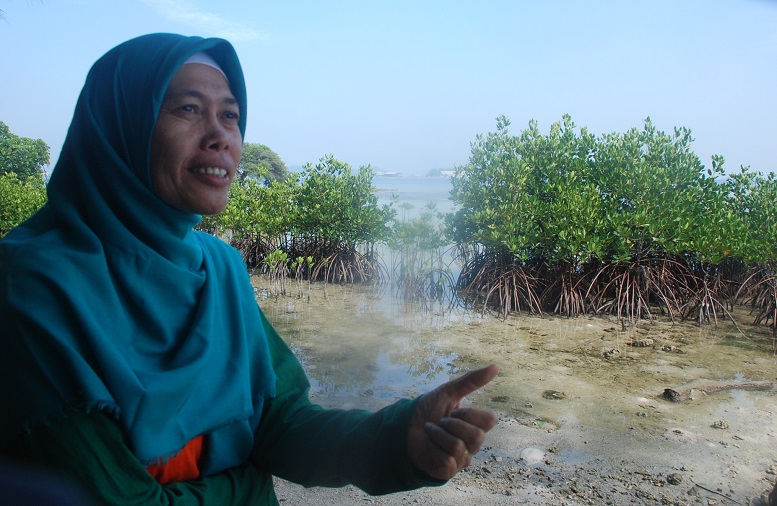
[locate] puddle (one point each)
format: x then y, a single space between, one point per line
359 351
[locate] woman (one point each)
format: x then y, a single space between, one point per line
135 360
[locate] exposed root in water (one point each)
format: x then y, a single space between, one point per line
759 292
628 290
255 248
348 267
566 293
491 281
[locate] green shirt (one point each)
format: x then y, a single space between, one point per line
296 440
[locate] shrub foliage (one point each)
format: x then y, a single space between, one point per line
19 199
627 224
327 212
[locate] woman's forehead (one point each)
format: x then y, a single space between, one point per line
198 81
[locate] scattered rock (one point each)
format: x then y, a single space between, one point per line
608 354
670 395
680 436
719 424
641 343
674 478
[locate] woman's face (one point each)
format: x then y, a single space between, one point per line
196 144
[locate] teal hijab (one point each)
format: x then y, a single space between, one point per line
109 300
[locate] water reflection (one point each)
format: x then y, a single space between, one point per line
359 346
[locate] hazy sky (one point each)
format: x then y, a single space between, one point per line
407 85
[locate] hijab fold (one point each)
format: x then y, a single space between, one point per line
110 300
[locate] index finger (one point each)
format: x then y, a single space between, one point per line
465 385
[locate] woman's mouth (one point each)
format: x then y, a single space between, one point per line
211 171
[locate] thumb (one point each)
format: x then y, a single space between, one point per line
465 385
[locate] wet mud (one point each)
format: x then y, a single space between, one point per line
584 418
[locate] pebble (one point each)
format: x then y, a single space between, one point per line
532 455
674 478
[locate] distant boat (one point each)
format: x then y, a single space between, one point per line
388 174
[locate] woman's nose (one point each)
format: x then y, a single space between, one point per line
216 136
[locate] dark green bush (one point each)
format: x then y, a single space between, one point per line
19 199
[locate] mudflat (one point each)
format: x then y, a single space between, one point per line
585 405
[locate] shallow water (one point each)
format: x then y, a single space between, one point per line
361 347
411 194
358 350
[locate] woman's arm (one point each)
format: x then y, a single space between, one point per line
90 452
306 444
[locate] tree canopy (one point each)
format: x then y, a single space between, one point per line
21 155
261 163
19 199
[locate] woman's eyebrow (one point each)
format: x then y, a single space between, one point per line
188 92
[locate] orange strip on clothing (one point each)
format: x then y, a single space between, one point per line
183 467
